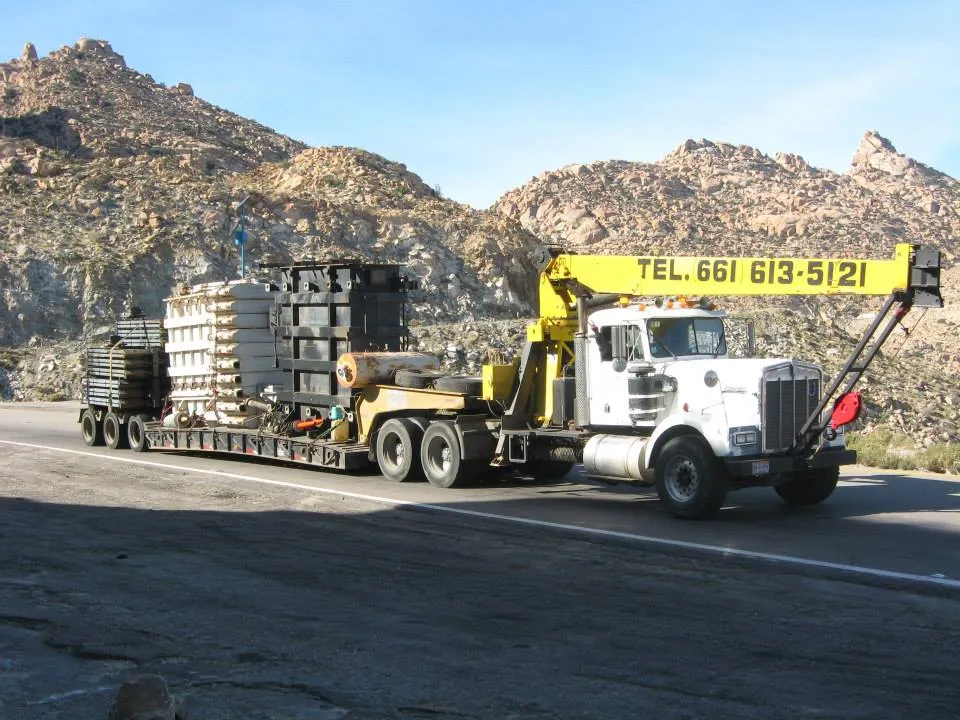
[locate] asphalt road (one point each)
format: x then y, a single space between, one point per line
278 592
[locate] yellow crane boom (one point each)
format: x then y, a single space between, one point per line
565 277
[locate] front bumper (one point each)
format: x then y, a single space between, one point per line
760 466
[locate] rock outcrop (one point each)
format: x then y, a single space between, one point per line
723 199
115 189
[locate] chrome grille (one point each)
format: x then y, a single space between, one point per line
787 403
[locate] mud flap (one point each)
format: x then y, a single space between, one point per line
477 441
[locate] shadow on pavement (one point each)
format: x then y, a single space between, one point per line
398 614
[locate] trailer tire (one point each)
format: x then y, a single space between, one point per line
416 379
441 457
691 483
136 433
114 432
398 450
465 384
811 487
90 428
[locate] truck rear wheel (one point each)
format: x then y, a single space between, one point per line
114 432
136 433
440 454
810 487
398 450
90 428
690 482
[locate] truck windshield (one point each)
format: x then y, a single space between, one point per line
676 337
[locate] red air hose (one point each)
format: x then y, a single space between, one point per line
302 425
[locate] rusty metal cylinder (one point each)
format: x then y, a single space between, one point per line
358 369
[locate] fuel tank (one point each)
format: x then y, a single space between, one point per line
614 456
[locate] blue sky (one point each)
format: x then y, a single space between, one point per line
477 97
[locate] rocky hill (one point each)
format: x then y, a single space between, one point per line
733 200
115 189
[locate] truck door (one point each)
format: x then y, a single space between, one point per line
607 382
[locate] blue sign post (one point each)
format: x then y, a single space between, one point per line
240 238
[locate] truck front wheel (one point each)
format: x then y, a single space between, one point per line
810 487
690 482
398 450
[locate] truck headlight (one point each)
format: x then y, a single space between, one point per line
745 438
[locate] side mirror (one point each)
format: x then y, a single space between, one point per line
618 338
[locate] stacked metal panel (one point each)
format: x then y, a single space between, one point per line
125 379
140 332
326 310
221 349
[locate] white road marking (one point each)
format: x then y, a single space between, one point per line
596 532
70 694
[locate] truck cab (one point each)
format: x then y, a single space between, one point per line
645 340
660 371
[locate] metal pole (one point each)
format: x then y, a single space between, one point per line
853 369
240 236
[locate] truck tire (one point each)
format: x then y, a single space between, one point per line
416 379
691 483
810 487
136 433
440 453
90 428
114 432
466 384
398 450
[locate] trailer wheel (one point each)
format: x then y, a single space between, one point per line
114 433
811 487
136 433
690 482
90 428
440 453
398 450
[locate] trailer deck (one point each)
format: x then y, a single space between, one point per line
323 453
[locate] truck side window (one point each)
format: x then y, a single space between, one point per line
605 343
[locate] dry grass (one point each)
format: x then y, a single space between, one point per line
886 449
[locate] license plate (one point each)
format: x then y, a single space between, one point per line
761 467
